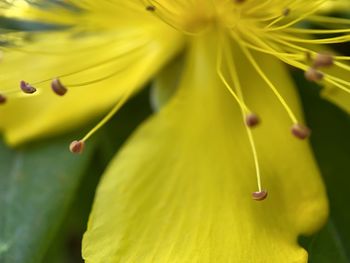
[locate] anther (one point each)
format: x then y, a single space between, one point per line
300 131
259 195
151 8
58 87
239 1
313 75
3 99
323 60
77 147
26 87
286 12
252 120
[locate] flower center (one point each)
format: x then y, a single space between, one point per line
196 16
193 17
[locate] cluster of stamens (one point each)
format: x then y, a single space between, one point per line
273 36
57 87
322 60
252 27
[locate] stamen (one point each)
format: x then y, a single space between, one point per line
260 195
151 8
128 52
252 120
77 147
27 88
58 87
107 117
265 78
328 78
328 20
286 12
328 40
323 60
313 9
169 15
258 6
241 104
3 99
300 131
313 75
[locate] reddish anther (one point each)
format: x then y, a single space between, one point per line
300 131
259 195
58 87
323 60
151 8
313 75
27 88
77 147
252 120
3 99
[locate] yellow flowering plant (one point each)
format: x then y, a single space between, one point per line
223 170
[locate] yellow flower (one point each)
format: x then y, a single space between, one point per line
179 190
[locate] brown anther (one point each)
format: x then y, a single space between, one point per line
300 131
151 8
259 195
323 60
252 120
77 147
286 11
3 99
27 88
313 75
58 87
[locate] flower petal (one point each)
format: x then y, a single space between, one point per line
180 190
116 61
334 94
165 83
338 97
335 6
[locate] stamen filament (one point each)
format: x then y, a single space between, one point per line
114 110
327 77
114 59
299 18
266 79
228 87
237 84
328 20
315 31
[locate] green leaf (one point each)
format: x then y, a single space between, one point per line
331 145
37 184
327 246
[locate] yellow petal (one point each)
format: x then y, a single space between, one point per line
338 97
84 14
43 12
334 94
335 6
122 59
179 191
165 83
